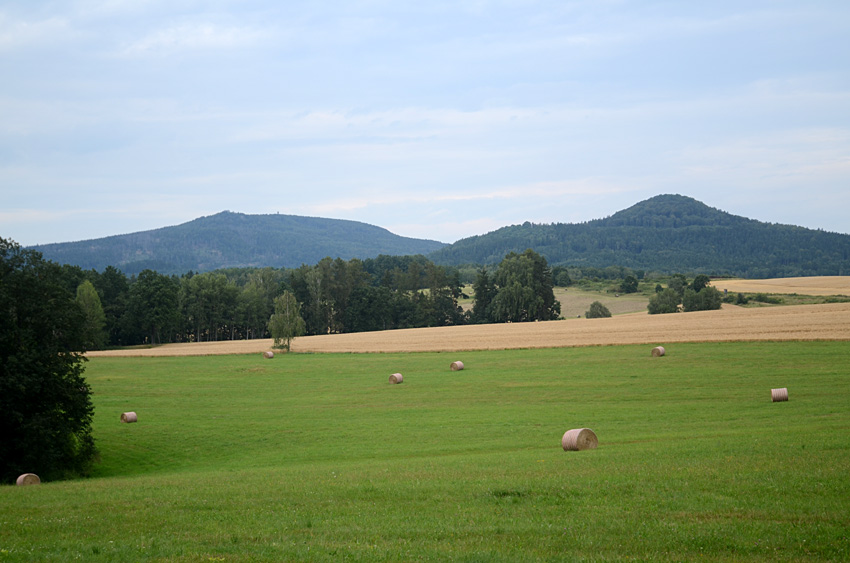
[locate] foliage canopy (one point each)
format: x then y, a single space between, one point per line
45 403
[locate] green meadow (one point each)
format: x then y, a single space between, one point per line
316 457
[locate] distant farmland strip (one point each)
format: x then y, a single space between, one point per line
799 322
820 285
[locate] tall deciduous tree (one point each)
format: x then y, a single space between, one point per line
525 290
209 305
256 301
114 290
286 323
484 290
154 305
94 333
45 403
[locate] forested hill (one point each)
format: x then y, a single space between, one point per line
231 239
668 234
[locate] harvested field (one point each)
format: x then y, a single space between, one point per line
799 322
821 285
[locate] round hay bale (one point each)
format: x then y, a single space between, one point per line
128 417
28 479
579 439
778 395
658 351
396 378
457 366
268 355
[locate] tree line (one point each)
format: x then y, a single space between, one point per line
334 296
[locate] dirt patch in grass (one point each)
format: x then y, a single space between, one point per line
800 322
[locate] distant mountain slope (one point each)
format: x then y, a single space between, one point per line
667 233
231 239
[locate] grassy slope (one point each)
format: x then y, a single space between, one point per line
318 457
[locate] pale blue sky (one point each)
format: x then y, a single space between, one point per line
435 120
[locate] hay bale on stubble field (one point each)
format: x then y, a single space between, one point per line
658 351
268 355
579 439
28 479
457 366
779 395
396 378
128 417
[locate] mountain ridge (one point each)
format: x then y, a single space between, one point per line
228 239
666 233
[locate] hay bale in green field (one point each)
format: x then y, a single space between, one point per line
779 395
396 378
579 439
28 479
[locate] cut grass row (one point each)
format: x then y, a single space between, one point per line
317 457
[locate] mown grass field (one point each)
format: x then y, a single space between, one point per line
316 457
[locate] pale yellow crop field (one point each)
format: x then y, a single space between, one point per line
798 322
821 285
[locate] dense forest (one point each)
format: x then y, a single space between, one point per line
231 239
334 296
667 234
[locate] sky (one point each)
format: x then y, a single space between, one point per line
437 120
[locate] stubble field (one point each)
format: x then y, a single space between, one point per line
820 285
800 322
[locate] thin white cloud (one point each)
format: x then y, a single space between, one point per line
195 36
811 155
517 193
20 34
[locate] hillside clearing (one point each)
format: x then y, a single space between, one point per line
800 322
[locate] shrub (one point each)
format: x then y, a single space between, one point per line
706 300
629 285
597 311
764 298
665 302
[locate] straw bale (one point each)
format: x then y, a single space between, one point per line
28 479
396 378
579 439
778 395
658 351
457 366
128 417
268 355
